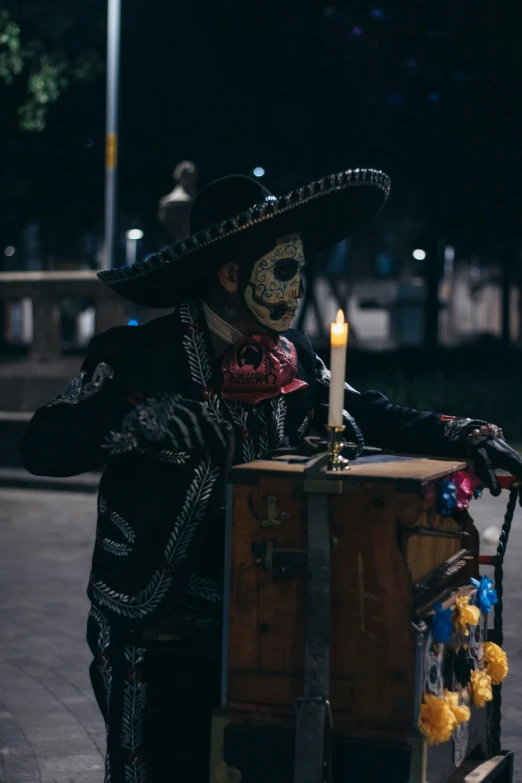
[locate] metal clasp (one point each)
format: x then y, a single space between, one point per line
275 517
286 562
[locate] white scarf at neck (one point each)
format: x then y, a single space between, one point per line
220 327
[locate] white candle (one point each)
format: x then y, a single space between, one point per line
338 343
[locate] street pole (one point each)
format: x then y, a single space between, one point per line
111 140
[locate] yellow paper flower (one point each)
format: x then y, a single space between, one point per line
496 662
436 720
460 712
481 688
465 615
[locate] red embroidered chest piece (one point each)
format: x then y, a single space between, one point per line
257 368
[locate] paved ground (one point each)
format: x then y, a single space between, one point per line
50 728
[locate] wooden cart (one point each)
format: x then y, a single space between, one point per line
330 586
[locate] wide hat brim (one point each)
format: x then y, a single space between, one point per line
324 212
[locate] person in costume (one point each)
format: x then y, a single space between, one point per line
167 407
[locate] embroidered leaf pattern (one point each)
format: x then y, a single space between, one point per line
237 412
145 602
279 410
304 426
114 548
192 512
213 403
134 699
198 358
117 520
189 311
173 457
207 589
194 343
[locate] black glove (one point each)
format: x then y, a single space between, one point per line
168 421
490 453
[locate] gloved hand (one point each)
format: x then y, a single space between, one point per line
169 421
492 452
485 445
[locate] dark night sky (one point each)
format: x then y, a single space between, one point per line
289 86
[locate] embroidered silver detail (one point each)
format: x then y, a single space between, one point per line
207 589
323 375
105 671
239 416
256 214
173 457
303 427
195 345
279 410
134 699
121 442
264 446
114 548
199 362
117 520
79 388
192 513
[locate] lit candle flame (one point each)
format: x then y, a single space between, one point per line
340 317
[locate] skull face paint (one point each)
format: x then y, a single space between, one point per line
276 284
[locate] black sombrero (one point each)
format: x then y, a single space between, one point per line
237 218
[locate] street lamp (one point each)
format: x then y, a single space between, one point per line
419 255
131 245
111 139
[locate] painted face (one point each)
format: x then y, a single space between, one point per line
276 284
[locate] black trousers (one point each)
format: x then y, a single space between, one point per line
156 698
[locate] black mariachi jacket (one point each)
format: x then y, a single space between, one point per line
159 538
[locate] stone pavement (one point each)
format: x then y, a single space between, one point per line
50 727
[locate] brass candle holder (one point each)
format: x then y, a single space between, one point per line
335 445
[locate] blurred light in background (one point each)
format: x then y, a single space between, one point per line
419 255
377 13
449 253
132 322
434 97
89 142
259 172
357 31
134 234
9 251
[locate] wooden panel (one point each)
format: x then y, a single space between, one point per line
373 642
267 613
414 469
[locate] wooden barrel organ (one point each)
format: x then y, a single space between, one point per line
393 557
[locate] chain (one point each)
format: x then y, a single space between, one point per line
497 635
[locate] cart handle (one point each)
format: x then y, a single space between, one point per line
506 482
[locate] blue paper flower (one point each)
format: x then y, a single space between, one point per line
486 597
447 499
478 491
442 624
